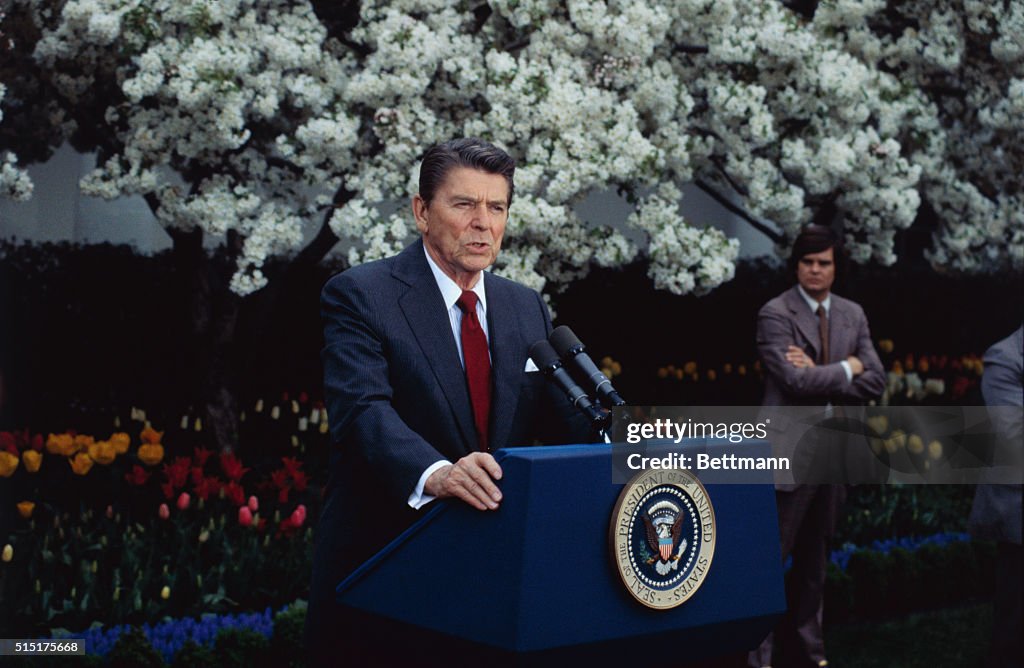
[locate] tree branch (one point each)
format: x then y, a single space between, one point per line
724 201
690 48
325 238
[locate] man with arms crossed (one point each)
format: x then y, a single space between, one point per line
817 351
426 372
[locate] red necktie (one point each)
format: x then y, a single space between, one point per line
478 364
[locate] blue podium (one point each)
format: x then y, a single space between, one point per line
538 574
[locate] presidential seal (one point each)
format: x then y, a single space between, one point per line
662 536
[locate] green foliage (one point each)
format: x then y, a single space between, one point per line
193 655
950 638
132 650
286 648
241 648
878 584
878 512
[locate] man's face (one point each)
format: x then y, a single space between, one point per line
463 224
815 272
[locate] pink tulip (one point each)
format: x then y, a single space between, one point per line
183 501
244 516
254 504
301 510
164 511
298 517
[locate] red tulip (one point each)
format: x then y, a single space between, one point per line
138 476
245 516
183 501
234 493
254 504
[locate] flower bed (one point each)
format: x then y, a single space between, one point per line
115 533
900 575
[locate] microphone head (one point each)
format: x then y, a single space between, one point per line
563 340
544 356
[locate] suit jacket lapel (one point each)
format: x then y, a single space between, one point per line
506 362
806 321
424 310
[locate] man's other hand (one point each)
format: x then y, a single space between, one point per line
470 479
798 358
856 366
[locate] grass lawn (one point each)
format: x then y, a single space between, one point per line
949 638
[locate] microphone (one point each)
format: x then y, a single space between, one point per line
571 349
546 359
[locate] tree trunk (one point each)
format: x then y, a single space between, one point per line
211 312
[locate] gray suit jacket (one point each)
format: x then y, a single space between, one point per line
787 320
996 513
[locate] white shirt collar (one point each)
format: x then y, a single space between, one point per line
450 291
813 303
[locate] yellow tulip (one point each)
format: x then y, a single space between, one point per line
32 460
81 463
935 450
82 442
915 444
121 442
879 424
151 436
8 464
60 444
25 509
103 452
8 553
165 593
151 453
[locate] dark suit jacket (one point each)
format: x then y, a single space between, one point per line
397 399
996 513
787 320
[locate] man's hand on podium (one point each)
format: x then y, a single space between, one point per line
470 479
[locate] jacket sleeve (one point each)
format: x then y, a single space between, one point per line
1001 385
871 383
774 335
358 392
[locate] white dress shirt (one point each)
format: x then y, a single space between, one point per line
450 293
812 304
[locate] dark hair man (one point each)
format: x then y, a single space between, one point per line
426 372
816 350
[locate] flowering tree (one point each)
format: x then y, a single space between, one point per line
14 181
284 127
963 65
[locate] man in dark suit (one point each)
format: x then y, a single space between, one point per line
426 372
996 514
817 351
